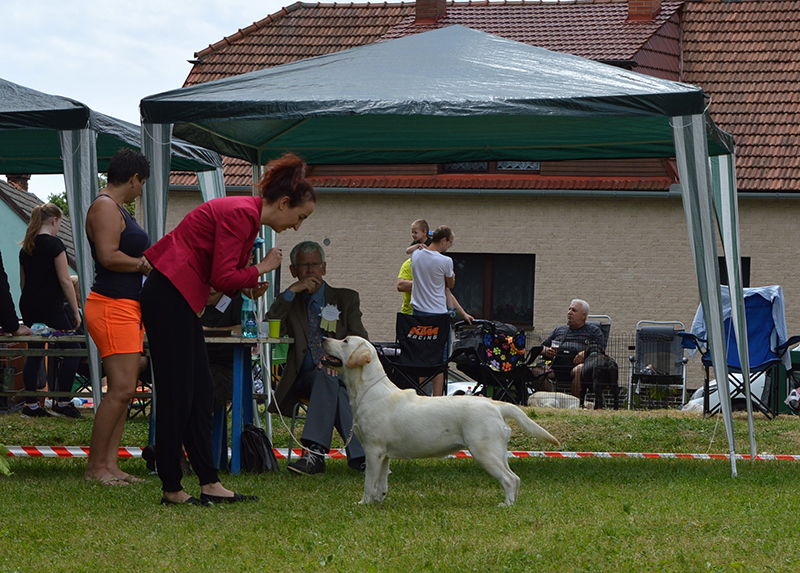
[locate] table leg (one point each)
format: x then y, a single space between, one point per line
242 403
219 442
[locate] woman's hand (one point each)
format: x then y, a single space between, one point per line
76 320
271 262
144 266
256 291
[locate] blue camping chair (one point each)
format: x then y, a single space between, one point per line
767 344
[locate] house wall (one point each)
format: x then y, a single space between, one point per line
629 258
13 232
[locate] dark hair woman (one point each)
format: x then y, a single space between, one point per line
209 248
46 285
113 312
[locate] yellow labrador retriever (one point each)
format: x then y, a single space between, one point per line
394 423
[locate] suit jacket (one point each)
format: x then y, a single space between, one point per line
9 321
294 323
210 247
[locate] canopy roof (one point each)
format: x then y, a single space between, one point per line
43 133
29 142
456 94
453 94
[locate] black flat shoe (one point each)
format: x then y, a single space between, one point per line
191 501
206 498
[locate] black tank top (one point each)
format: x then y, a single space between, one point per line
133 241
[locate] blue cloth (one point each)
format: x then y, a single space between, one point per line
774 294
317 301
314 334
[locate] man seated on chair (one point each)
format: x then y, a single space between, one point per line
310 309
569 340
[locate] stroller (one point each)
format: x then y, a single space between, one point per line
494 355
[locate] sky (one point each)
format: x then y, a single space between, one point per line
109 54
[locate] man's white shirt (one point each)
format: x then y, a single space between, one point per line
429 269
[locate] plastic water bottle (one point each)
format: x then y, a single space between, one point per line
249 321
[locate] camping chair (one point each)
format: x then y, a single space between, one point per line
658 363
493 354
603 321
419 352
564 360
767 345
299 412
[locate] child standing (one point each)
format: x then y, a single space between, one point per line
420 235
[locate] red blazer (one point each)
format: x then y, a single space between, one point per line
210 248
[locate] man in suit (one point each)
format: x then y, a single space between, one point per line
310 309
9 321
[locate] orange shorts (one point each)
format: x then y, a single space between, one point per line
115 324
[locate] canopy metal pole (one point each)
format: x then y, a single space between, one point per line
691 152
79 158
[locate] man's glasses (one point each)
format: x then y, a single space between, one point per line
309 266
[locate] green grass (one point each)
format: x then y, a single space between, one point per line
440 515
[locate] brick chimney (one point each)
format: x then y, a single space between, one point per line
643 10
18 180
429 11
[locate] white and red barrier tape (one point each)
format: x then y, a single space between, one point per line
281 453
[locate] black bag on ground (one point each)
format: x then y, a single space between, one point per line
257 453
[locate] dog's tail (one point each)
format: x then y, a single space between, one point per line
510 411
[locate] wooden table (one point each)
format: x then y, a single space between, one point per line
242 410
242 382
51 350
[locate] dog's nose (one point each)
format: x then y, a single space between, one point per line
324 338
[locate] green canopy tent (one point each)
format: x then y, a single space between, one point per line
456 94
48 134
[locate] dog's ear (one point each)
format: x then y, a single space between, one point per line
360 356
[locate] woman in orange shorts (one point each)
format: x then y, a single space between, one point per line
112 311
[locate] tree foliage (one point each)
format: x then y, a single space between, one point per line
60 199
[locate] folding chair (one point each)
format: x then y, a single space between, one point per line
564 360
658 363
767 344
603 321
421 343
299 412
493 354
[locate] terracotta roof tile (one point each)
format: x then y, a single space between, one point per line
590 29
275 40
746 57
595 29
635 174
495 182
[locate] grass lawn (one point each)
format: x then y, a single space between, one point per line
440 515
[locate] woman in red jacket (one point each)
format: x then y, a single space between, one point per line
209 248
